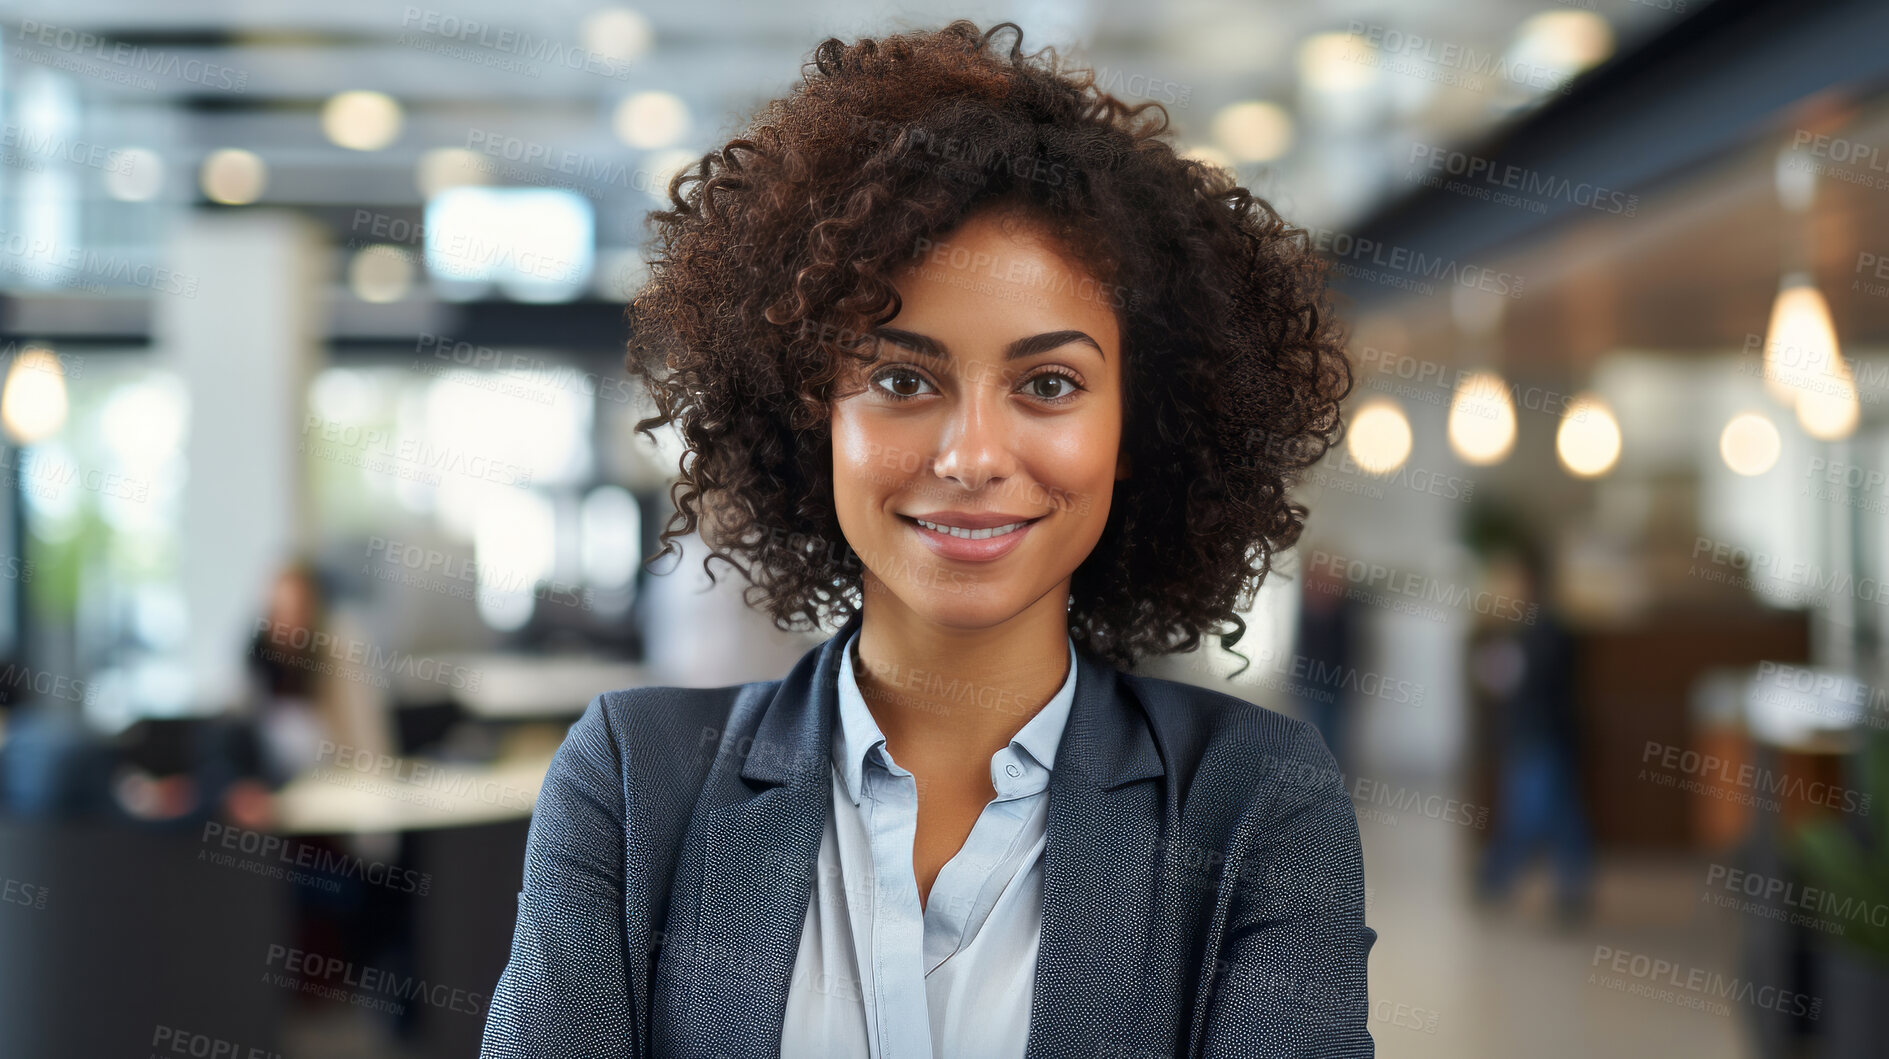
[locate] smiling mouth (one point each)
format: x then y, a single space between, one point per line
972 534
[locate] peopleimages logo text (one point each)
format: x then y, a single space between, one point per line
1523 180
447 26
1353 252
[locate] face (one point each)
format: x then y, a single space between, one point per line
974 460
291 602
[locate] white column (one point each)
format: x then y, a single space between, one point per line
245 346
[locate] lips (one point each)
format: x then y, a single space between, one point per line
971 536
963 533
971 519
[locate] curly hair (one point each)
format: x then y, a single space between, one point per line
774 263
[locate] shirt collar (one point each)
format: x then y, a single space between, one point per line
857 736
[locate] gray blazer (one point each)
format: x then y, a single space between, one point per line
1203 890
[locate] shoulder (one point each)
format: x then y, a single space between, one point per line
638 755
1220 744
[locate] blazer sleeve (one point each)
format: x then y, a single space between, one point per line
565 990
1292 968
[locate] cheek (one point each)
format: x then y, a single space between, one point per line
850 451
879 454
1080 455
864 460
1084 462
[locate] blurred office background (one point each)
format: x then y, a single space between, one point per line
322 513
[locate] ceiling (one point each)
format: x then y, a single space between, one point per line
1697 265
275 63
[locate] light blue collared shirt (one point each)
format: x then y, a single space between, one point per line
879 977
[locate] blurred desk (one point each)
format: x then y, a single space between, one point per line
414 794
511 686
364 796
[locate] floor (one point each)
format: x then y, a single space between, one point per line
1511 981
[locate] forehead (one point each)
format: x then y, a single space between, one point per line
1000 273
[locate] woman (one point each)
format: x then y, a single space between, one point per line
967 360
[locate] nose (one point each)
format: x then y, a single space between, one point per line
976 448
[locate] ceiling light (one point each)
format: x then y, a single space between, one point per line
651 120
33 405
1749 444
1482 419
361 121
233 176
1253 131
1379 438
1588 440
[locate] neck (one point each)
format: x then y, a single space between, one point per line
947 697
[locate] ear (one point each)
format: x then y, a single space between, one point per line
1122 468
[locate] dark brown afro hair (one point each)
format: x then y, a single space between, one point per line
774 261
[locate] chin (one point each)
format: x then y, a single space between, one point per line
967 603
970 614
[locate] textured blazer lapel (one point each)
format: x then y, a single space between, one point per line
734 931
746 872
1100 879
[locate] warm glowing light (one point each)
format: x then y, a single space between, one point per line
33 405
233 177
1379 437
651 120
1482 420
1803 366
1749 444
1253 131
1337 62
361 121
1829 410
1588 440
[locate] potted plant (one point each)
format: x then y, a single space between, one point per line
1848 858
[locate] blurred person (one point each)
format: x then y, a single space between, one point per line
317 701
1324 652
304 695
967 360
309 687
1523 659
164 772
177 773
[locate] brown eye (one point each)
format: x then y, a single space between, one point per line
900 383
1051 386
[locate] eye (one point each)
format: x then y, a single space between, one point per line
900 383
1053 386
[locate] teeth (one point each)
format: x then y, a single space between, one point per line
970 534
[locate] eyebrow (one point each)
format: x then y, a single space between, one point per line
926 346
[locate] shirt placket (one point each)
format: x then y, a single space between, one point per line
968 882
901 1019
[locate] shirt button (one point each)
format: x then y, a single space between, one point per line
1013 770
